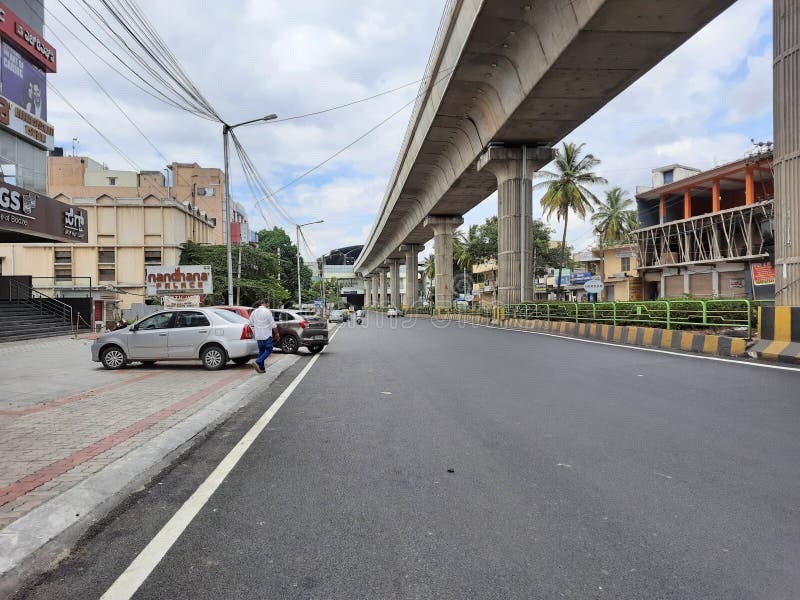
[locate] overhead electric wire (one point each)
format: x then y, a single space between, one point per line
348 104
88 122
161 65
156 92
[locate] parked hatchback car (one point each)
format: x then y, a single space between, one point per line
213 336
296 328
299 330
336 316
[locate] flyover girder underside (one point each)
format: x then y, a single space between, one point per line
522 76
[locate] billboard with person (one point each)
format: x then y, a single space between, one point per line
23 83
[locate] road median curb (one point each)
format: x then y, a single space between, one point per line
36 541
650 337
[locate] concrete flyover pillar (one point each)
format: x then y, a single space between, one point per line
375 283
512 167
443 228
367 290
394 281
786 156
382 301
412 267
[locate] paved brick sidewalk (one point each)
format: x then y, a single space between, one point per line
63 417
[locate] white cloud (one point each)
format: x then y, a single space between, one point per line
260 56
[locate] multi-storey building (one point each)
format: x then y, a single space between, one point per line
205 188
131 224
709 234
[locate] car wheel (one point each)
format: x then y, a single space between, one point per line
315 348
113 358
213 357
289 344
242 360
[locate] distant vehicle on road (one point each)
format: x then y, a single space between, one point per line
213 336
336 316
391 312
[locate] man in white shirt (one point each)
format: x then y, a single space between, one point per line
263 325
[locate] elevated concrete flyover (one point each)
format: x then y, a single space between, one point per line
506 80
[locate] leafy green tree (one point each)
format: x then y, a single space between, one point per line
567 191
258 273
277 243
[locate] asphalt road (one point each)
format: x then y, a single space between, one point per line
425 461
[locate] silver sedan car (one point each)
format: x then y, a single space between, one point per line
214 336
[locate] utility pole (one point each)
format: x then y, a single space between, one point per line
239 276
226 129
300 226
299 292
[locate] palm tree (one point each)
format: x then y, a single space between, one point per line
567 191
429 269
612 221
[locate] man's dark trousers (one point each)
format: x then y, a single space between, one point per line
264 350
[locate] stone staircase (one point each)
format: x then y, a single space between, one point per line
24 320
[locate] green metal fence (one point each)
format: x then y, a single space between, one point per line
667 314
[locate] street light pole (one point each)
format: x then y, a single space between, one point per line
226 129
299 292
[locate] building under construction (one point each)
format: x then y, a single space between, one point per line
709 234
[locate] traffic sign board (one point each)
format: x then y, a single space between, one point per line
593 286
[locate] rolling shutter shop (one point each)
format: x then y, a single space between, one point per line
701 285
673 286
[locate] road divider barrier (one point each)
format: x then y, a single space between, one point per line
703 343
779 334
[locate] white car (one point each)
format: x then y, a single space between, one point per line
391 312
211 335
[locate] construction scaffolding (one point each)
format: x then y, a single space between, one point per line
744 233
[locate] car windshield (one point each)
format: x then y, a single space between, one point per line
230 316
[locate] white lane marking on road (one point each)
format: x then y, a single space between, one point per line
147 560
658 350
564 465
663 475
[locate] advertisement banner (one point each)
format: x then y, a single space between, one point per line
27 40
192 301
580 277
21 122
763 274
26 216
23 83
183 280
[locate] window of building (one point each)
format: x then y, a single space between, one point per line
106 259
152 257
63 265
112 180
106 256
626 263
669 176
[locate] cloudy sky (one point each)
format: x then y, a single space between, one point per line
699 107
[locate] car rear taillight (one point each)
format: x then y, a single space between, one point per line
303 324
247 333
